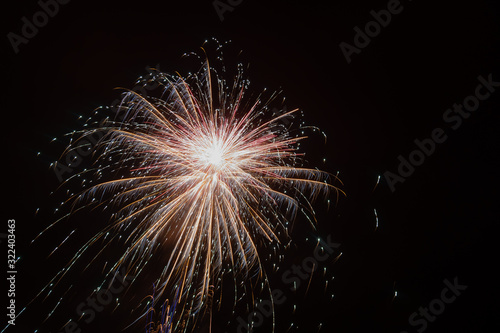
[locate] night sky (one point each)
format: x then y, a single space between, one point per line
397 93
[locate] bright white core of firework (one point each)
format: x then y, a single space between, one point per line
213 155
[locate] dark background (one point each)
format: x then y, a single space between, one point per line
441 223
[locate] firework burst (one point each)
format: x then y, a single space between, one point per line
200 176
